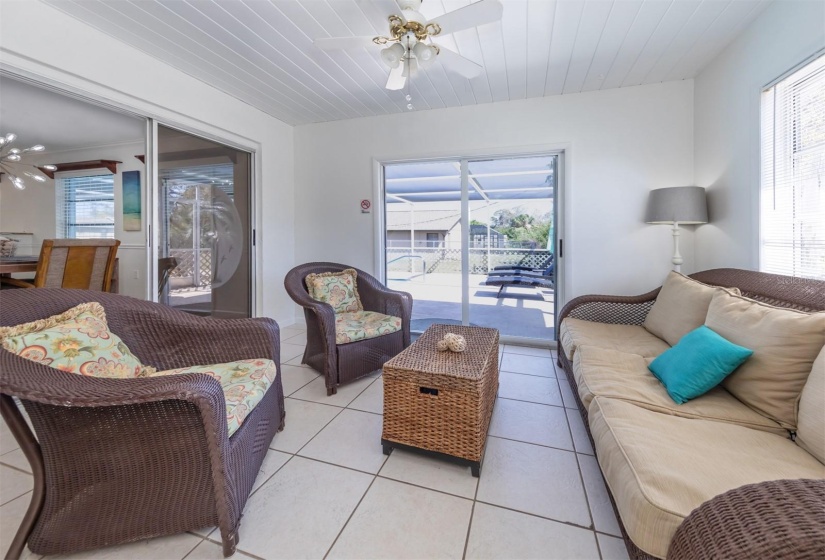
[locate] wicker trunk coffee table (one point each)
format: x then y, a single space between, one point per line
440 403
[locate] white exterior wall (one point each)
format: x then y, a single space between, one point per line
619 145
45 44
727 103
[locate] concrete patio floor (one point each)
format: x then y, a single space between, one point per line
521 311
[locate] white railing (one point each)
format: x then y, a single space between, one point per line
449 260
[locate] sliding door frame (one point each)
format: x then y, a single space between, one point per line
563 153
153 202
77 87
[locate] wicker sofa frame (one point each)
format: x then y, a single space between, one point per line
119 460
783 291
342 363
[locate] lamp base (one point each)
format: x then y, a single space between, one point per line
677 259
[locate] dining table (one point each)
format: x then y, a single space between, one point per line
9 265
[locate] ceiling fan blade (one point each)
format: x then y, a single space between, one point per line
397 80
345 43
479 13
451 60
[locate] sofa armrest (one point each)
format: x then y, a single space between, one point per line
779 519
620 310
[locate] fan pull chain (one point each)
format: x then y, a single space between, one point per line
408 97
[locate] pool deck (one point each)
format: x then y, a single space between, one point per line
520 311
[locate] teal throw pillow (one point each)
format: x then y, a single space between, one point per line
698 363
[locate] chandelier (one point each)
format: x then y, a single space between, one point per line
10 162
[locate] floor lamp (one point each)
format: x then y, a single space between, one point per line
677 205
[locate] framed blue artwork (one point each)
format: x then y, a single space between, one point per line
131 201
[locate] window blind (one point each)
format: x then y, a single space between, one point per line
792 201
86 207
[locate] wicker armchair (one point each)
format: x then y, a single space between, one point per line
341 363
118 460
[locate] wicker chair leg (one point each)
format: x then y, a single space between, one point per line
230 544
332 391
282 424
31 449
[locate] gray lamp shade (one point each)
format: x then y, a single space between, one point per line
685 205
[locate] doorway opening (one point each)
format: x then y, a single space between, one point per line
204 257
474 241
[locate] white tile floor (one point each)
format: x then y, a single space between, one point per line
325 489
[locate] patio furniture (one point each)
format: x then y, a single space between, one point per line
342 363
118 460
545 279
504 268
778 519
441 402
83 264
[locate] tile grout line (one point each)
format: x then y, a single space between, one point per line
330 421
532 402
473 509
343 528
200 542
18 469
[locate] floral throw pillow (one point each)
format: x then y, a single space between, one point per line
339 289
77 341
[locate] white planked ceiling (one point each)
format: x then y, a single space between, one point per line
261 51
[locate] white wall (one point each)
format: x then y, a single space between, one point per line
33 43
33 209
726 95
620 144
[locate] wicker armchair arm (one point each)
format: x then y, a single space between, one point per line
621 310
377 297
29 380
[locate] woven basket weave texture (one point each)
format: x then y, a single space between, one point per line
455 420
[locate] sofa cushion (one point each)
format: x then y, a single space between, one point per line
810 426
361 325
785 343
609 373
697 363
244 384
626 338
339 289
659 468
680 307
77 341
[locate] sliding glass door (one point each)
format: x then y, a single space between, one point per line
473 241
204 237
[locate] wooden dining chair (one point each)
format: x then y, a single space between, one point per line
83 264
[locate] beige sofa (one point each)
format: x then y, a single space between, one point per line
766 421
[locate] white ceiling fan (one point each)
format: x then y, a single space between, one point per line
410 43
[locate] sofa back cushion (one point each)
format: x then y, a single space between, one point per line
785 343
680 307
810 426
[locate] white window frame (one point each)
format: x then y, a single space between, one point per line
60 198
780 154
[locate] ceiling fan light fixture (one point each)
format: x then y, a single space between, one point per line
424 54
393 55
